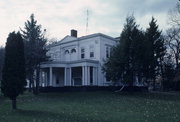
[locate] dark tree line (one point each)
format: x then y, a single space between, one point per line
172 63
173 35
1 61
147 56
138 55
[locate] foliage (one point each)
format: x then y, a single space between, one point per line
1 61
155 51
13 81
138 55
173 43
130 40
169 74
123 64
174 15
35 51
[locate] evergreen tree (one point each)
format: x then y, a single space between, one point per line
13 81
155 51
1 61
125 61
35 51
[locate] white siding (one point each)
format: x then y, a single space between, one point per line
99 44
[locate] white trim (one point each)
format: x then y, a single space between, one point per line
70 76
82 39
65 82
83 75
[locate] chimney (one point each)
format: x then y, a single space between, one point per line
74 33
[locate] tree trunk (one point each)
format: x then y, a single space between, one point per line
162 74
31 84
14 107
176 59
154 84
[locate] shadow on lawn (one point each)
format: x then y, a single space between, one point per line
155 96
38 113
1 99
48 116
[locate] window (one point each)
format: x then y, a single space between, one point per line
107 52
91 54
66 51
73 51
82 53
91 51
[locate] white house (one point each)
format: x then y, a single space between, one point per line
77 61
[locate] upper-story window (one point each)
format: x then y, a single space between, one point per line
66 51
82 53
107 52
91 51
73 51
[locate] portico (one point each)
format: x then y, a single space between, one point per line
74 73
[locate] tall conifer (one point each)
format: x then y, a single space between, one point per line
13 78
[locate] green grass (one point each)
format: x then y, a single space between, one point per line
92 107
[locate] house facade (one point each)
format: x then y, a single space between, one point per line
77 61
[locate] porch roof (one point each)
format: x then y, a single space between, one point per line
83 62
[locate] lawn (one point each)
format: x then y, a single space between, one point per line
92 107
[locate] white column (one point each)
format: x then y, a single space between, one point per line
50 76
88 75
65 82
83 80
97 80
85 75
70 76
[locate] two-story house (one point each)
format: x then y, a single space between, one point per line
77 61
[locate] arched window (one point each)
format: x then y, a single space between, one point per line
66 51
73 51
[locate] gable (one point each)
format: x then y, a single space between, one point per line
67 39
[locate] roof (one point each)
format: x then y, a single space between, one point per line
70 62
68 39
54 63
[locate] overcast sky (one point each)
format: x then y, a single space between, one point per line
60 16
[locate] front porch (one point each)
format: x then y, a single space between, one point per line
69 74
